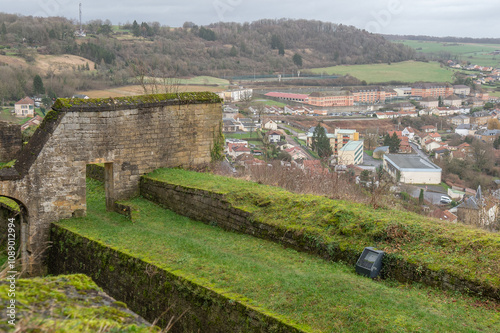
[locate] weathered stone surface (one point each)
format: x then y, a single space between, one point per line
10 141
131 139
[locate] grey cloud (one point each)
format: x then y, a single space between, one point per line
424 17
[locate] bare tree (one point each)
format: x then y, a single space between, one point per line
154 81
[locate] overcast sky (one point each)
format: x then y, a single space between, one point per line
463 18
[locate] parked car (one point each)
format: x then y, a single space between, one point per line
445 199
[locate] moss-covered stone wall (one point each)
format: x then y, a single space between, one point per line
212 208
10 141
150 290
132 136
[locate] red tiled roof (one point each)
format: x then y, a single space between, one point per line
240 149
287 95
26 100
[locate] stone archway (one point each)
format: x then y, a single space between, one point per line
14 232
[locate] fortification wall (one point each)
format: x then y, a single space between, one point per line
212 208
132 136
10 141
150 290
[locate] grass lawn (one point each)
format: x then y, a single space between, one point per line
369 152
243 136
269 103
406 71
322 296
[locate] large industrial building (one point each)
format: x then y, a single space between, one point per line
412 169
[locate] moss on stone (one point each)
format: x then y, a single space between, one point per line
180 98
67 303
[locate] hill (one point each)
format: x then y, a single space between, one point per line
118 55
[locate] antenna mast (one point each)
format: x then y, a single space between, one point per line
81 30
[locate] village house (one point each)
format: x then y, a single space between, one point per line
479 211
230 125
461 90
232 143
432 136
466 129
296 153
236 95
487 136
429 128
313 167
273 137
430 145
35 121
452 100
460 120
270 125
445 215
475 102
236 151
429 102
25 107
408 132
480 118
404 144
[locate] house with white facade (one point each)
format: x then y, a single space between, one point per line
25 107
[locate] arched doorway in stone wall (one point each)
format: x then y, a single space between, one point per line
14 231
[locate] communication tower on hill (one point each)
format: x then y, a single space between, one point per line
80 32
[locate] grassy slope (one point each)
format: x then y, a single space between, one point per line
406 71
462 250
66 303
305 289
475 53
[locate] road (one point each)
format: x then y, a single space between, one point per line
290 140
432 197
419 151
369 160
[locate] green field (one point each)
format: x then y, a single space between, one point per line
268 102
406 71
302 289
474 53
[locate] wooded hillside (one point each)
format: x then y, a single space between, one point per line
222 49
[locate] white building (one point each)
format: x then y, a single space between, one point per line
25 107
351 153
270 125
412 169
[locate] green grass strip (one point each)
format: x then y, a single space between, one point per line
317 295
464 251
